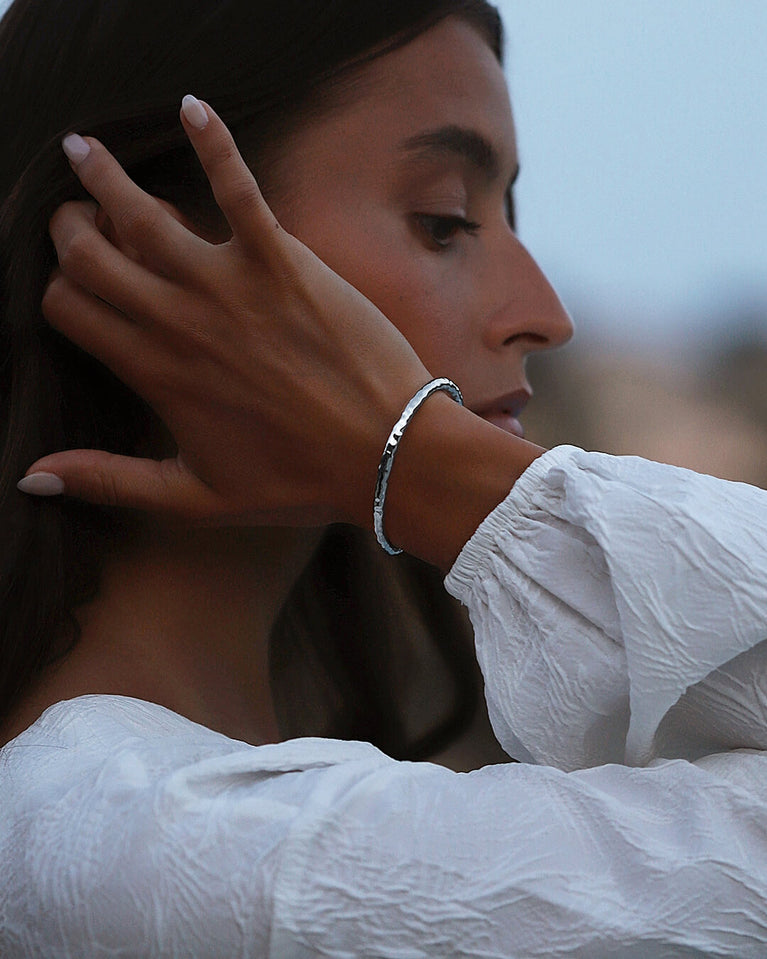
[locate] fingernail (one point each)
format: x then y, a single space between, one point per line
41 484
194 112
75 148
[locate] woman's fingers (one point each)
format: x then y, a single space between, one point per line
278 394
88 258
139 220
163 486
142 223
98 329
233 185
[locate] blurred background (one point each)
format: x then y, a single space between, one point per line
643 141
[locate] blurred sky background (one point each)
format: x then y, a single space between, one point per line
643 140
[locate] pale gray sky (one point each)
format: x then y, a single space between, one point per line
643 140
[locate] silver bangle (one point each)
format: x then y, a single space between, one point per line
387 460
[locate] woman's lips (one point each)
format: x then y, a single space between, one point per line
504 411
505 422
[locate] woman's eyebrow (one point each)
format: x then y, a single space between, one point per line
458 141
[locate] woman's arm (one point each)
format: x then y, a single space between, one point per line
278 380
612 599
606 594
620 612
597 581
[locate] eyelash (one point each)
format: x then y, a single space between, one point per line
442 229
510 211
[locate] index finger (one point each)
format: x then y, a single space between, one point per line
138 218
234 186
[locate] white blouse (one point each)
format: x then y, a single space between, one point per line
620 610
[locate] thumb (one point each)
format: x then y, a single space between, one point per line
107 479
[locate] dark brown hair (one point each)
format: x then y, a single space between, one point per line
117 69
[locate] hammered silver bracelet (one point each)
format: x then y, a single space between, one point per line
392 444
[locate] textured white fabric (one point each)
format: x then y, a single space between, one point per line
620 609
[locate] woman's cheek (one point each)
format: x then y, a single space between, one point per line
423 293
431 305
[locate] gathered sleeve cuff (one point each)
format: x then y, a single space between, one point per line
620 607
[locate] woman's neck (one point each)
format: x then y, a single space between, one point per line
182 619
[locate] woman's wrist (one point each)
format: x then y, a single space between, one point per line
452 469
439 384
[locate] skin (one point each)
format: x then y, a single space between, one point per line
474 308
183 616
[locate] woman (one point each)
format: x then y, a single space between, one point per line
410 698
147 833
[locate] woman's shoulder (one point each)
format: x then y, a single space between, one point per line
90 730
129 768
115 807
120 735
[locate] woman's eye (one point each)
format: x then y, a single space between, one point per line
441 230
510 212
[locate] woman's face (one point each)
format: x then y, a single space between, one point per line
405 191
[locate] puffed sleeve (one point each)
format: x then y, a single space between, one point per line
620 607
620 610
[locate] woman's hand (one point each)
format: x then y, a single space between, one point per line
277 379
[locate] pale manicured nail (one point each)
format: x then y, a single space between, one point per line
41 484
75 148
194 112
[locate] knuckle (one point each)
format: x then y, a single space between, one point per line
53 297
77 255
105 487
222 152
240 191
169 472
139 222
61 217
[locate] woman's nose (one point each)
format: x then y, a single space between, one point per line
531 314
